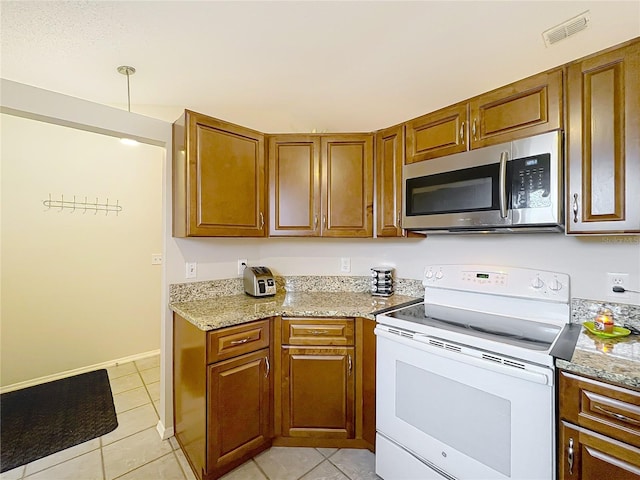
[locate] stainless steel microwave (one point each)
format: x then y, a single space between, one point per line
506 188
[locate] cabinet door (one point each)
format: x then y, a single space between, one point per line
294 186
347 186
437 134
318 390
238 405
586 455
603 143
389 161
224 182
521 109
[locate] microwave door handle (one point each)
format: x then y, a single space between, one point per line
504 157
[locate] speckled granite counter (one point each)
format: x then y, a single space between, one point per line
224 311
612 360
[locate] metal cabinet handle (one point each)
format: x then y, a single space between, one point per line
473 129
570 456
315 222
462 132
261 220
575 208
350 363
617 416
239 342
324 221
266 359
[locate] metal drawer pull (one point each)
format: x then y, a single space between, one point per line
239 342
618 416
350 363
570 456
266 359
318 332
575 208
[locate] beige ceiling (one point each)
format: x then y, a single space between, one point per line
295 66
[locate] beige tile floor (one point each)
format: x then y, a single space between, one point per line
134 451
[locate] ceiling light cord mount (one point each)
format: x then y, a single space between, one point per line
128 71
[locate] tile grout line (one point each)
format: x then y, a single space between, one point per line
144 384
140 466
104 468
175 455
260 469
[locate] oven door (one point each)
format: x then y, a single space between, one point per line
458 416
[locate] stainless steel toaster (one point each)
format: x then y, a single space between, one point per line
259 282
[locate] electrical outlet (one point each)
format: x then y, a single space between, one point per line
156 259
345 264
192 270
616 280
242 264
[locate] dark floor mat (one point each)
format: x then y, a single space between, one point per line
44 419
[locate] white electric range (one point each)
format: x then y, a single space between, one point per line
465 379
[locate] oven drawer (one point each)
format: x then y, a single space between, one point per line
608 409
317 331
233 341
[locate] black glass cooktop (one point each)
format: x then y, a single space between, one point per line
514 331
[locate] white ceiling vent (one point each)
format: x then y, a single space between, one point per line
566 29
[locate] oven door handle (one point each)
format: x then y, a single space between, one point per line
420 342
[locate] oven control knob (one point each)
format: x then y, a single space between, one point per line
429 275
537 283
555 285
439 275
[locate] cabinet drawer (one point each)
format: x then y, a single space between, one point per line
326 331
608 409
233 341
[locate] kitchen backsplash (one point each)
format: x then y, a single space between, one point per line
186 292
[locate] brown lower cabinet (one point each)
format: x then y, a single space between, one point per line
318 392
239 409
599 430
226 408
223 385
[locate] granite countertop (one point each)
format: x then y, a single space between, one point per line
615 360
225 311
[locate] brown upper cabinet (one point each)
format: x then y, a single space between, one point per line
437 134
389 160
521 109
603 142
321 185
219 178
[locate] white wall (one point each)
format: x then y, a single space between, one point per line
585 259
78 287
29 102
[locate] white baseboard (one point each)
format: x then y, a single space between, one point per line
77 371
164 432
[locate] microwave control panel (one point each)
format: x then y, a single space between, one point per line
531 181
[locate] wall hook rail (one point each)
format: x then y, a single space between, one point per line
85 205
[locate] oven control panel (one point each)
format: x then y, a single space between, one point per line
499 280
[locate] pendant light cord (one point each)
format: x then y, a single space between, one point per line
128 71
